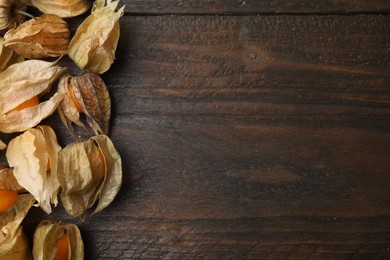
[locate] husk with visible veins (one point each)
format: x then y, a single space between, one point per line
11 13
93 46
47 235
13 244
81 178
92 95
29 154
7 56
8 180
45 36
62 8
21 82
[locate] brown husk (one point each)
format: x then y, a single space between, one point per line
92 95
46 237
45 36
21 82
62 8
11 13
93 46
13 244
80 175
29 154
7 56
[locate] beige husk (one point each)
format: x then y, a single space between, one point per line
81 178
7 56
8 180
29 154
12 12
47 235
92 95
13 244
62 8
2 145
21 82
93 46
45 36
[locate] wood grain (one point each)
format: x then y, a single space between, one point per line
248 7
247 138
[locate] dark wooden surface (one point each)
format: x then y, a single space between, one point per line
247 136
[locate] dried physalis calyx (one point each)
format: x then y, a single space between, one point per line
89 171
33 155
62 8
93 46
7 56
21 85
45 36
13 243
12 12
2 145
86 94
58 241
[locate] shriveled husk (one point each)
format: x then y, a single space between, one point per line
8 181
92 96
62 8
8 56
93 46
13 244
11 13
16 248
30 154
47 235
21 82
85 178
45 36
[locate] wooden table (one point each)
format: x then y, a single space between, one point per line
247 130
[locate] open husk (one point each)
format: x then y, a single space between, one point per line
47 235
33 155
89 94
12 12
62 8
13 243
7 56
45 36
93 46
89 171
21 82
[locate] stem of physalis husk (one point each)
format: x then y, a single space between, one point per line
17 11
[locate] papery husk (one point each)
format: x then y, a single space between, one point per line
46 237
13 244
21 82
45 36
17 248
62 8
2 145
93 46
29 154
92 95
11 13
8 181
8 56
80 175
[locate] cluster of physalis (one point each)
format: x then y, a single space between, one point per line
84 173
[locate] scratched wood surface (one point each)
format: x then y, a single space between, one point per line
245 136
246 7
